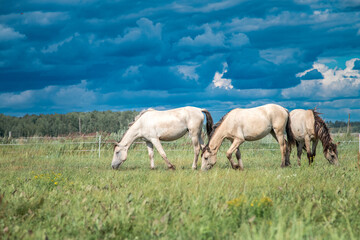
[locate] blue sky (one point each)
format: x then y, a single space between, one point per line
83 55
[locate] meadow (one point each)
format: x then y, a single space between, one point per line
52 189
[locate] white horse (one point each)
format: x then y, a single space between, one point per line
240 125
307 126
153 126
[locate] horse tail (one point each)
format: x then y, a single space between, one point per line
289 133
209 122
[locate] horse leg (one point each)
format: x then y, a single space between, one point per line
279 136
235 144
201 141
238 156
157 144
196 144
299 146
313 152
150 148
308 148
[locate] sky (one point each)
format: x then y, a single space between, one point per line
62 56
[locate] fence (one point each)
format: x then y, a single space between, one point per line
99 143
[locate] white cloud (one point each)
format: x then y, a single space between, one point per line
336 83
146 29
56 96
132 71
205 8
188 71
7 34
280 55
316 19
44 18
208 38
239 40
54 47
220 82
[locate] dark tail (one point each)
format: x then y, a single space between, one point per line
289 133
209 122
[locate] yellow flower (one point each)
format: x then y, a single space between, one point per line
55 183
252 204
36 177
236 202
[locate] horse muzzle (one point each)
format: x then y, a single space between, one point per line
115 166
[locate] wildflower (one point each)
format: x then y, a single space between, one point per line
36 177
252 204
236 202
55 183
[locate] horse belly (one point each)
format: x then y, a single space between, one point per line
172 130
172 134
257 130
257 135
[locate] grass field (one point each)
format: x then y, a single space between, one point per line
52 190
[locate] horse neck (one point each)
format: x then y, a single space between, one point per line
217 139
130 136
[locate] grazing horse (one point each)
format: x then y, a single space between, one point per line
240 125
153 126
307 126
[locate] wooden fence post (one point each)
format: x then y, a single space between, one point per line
99 145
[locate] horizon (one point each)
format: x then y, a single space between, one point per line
84 56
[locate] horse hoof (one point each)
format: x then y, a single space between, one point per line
172 167
235 166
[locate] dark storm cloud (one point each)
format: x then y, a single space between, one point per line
167 53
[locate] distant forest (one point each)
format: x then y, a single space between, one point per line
341 127
65 124
90 122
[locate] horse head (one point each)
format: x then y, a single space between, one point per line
331 154
119 157
208 159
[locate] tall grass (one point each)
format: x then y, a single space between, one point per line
54 190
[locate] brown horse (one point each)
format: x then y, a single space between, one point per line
307 126
240 125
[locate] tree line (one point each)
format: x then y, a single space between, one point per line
54 125
341 127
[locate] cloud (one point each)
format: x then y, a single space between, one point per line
310 74
173 54
55 46
336 83
220 82
9 34
146 37
53 97
208 38
44 18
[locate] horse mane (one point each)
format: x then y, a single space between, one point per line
139 115
135 119
213 130
322 132
218 125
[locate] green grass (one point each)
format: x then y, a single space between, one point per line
54 191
